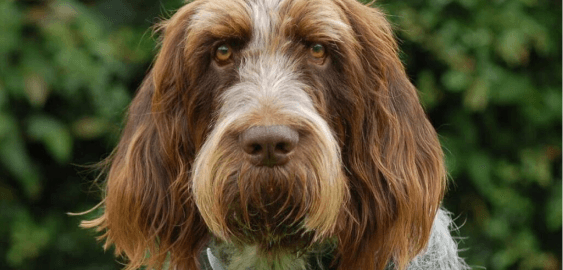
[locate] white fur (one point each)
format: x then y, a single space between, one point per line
264 19
440 254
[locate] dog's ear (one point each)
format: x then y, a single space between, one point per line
392 153
149 211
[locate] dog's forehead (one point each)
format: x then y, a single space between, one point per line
267 20
264 18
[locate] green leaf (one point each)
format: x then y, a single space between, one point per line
36 90
514 89
479 167
7 124
55 136
536 166
507 172
429 94
90 127
477 96
552 99
10 20
112 101
512 203
15 158
28 239
553 208
498 228
456 81
3 97
512 47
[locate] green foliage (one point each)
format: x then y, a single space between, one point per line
489 74
66 76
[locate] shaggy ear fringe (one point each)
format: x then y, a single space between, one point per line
392 155
442 251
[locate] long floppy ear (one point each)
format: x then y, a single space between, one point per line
149 211
392 153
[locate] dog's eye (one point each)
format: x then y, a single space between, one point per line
223 52
317 51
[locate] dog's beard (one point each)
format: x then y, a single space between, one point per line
268 206
280 209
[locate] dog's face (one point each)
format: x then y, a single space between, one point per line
269 169
277 124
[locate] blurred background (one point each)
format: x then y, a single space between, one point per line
489 72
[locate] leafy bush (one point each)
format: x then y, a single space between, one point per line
489 74
66 77
490 77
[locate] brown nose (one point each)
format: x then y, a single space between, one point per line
269 145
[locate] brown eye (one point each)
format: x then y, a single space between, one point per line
224 52
317 51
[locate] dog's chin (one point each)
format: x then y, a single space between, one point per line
269 237
268 207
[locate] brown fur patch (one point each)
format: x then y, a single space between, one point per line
374 182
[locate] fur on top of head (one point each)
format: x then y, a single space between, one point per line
365 169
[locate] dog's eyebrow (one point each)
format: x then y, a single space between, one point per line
222 19
315 21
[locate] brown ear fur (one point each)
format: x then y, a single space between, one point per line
392 153
148 206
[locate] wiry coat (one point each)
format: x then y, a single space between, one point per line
367 175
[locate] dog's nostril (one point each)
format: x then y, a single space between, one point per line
283 147
256 149
269 145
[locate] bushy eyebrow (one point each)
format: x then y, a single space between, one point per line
222 19
315 21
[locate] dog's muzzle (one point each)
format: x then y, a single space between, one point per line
270 170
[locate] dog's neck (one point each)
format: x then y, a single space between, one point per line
441 253
227 256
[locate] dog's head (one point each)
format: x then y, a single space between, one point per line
275 123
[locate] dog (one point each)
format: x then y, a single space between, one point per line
277 134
